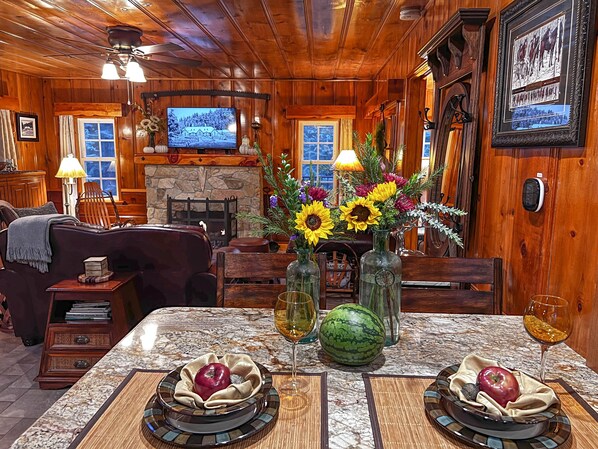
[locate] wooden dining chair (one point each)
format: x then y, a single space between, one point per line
96 206
254 279
451 285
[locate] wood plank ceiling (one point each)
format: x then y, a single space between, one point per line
258 39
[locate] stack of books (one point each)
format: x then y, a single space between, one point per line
89 310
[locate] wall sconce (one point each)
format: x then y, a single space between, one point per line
70 169
256 125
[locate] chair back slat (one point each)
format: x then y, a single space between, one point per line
253 279
461 285
93 208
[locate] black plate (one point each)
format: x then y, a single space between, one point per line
558 432
155 421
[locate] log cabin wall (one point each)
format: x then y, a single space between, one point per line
276 136
553 251
25 94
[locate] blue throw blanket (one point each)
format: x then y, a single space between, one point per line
28 239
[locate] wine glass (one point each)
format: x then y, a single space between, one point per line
294 318
547 320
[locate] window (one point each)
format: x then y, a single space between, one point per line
318 147
98 152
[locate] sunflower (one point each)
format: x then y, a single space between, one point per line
383 191
315 222
359 214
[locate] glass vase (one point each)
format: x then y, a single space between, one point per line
303 275
380 284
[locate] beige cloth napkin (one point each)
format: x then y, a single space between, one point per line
535 397
239 364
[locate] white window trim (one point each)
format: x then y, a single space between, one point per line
335 147
80 128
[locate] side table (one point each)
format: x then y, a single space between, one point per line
71 348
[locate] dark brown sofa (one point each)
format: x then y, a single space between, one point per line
172 262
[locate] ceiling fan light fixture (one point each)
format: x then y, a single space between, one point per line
109 71
134 72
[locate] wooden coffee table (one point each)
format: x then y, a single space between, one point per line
71 348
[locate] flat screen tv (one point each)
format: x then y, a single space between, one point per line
202 128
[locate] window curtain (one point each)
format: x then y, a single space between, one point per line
67 146
67 135
346 137
8 148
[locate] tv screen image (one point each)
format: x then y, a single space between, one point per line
202 128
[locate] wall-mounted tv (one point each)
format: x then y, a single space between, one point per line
202 128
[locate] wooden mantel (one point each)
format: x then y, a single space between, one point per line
230 160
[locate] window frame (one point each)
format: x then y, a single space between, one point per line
81 121
335 123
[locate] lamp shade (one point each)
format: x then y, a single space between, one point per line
134 72
347 161
70 167
109 71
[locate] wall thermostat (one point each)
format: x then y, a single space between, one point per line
533 194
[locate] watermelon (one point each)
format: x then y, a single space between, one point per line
352 335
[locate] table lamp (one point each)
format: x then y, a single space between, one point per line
346 161
70 169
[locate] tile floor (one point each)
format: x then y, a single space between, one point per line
21 400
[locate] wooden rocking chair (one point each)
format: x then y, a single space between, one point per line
93 207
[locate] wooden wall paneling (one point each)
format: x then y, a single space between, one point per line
227 102
344 92
264 110
282 129
244 108
52 150
363 91
324 92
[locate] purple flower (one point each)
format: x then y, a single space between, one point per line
294 237
363 190
404 203
302 197
398 180
273 201
317 193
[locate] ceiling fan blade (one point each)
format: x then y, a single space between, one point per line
69 55
175 60
158 48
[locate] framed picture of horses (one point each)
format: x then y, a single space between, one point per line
544 68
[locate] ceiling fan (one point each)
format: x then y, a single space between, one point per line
126 51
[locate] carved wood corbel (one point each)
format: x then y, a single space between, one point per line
444 56
456 44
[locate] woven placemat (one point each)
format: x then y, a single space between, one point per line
118 423
399 420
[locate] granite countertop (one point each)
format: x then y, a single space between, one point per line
429 342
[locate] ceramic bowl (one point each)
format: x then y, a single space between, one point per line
514 428
195 420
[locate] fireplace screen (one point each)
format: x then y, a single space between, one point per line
218 217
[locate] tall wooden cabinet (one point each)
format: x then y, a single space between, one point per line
24 189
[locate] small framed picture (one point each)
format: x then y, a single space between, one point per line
27 129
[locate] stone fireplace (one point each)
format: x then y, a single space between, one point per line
200 182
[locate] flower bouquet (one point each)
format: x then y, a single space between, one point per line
299 210
149 126
380 200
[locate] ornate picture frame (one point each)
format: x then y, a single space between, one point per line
545 53
27 127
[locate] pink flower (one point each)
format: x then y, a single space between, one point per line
398 180
317 193
363 190
404 203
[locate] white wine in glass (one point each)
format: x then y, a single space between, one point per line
294 318
547 320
